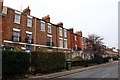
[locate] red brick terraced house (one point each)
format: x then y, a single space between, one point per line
76 42
23 31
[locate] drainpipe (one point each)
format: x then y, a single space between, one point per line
30 68
57 37
71 46
35 36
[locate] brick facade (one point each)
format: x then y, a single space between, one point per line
78 40
39 38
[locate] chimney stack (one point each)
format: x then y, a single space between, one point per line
79 33
71 30
27 10
60 24
1 5
46 18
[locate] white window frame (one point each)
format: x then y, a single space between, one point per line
65 33
42 27
29 24
76 46
65 46
49 28
51 39
17 30
30 33
75 37
60 44
17 17
60 31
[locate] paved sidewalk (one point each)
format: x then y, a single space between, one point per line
59 74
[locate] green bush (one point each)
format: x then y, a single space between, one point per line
14 63
77 63
115 57
77 58
96 60
47 62
106 59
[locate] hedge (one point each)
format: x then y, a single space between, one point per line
14 63
95 60
115 57
47 62
77 58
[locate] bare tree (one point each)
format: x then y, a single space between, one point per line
95 44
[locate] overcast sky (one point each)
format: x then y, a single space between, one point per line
90 16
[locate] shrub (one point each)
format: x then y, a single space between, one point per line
77 58
47 62
96 60
115 57
106 59
77 63
14 63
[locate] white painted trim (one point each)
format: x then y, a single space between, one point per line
27 51
29 16
63 48
4 10
65 31
49 35
49 24
75 37
15 29
23 48
35 45
17 12
60 28
66 43
13 42
60 38
28 32
65 39
42 21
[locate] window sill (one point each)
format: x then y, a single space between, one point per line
17 22
29 26
42 30
49 33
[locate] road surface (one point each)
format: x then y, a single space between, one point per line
106 71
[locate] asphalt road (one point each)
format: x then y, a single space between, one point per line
106 71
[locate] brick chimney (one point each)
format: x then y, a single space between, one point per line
46 18
1 5
60 24
27 10
79 33
71 30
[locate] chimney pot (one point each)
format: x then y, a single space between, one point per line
27 10
71 30
60 24
46 18
79 33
